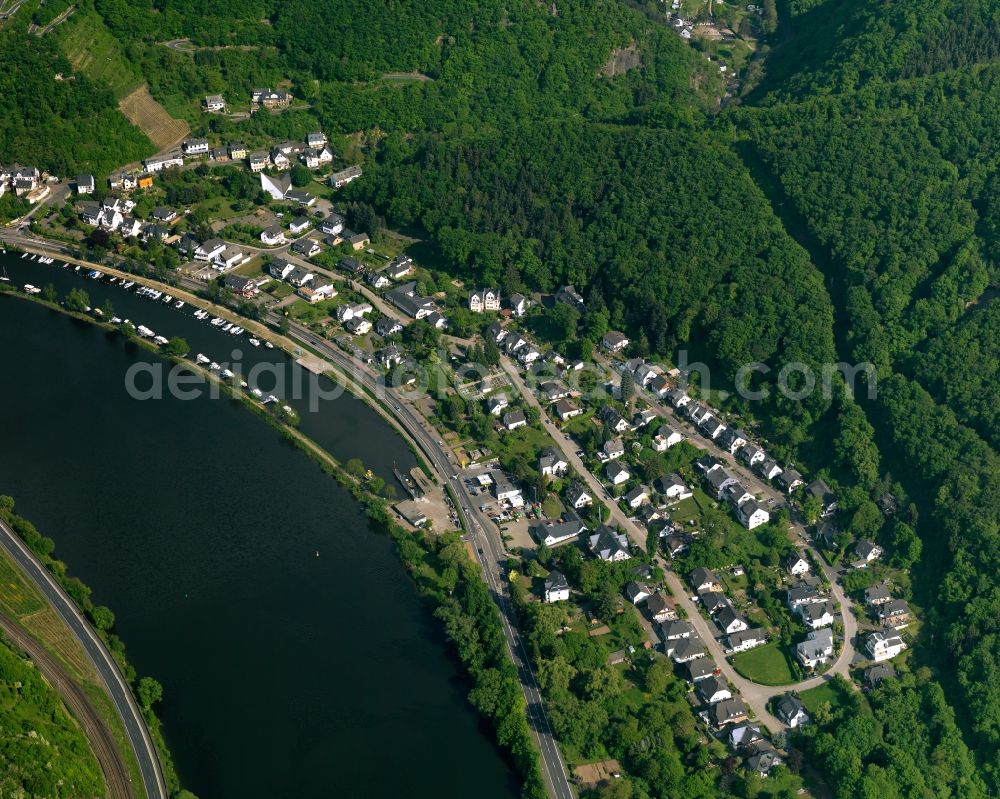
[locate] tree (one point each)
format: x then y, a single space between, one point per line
627 387
355 467
77 300
102 617
49 292
564 319
177 346
148 692
301 176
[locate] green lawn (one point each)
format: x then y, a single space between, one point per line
827 692
767 665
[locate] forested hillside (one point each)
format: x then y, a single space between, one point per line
55 119
882 146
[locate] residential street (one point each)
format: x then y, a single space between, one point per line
755 695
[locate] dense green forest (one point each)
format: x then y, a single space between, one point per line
888 175
43 753
57 120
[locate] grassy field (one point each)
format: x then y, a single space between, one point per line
827 692
767 665
94 51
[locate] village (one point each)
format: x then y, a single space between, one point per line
610 456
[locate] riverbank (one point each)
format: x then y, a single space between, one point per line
57 639
511 728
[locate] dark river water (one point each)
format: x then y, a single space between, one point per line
285 674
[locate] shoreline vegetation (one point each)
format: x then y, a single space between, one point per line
146 690
439 565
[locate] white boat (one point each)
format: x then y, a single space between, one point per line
226 374
269 345
128 284
145 331
257 393
214 366
270 398
97 312
254 341
160 340
24 255
179 304
167 299
243 384
77 268
33 256
32 289
216 321
236 331
155 294
116 320
228 327
199 358
112 281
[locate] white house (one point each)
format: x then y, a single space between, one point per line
518 304
608 545
85 184
743 640
672 487
552 532
867 551
194 146
666 437
729 621
816 649
300 224
614 341
551 463
796 564
816 614
752 514
496 403
566 410
610 450
556 587
272 235
229 258
485 300
617 473
636 497
315 157
713 689
214 103
280 268
578 497
210 250
884 645
792 711
514 419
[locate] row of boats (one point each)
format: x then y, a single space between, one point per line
159 296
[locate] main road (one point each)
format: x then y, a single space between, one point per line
100 658
488 548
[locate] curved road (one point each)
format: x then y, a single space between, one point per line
116 776
104 664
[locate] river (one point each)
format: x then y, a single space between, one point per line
296 656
